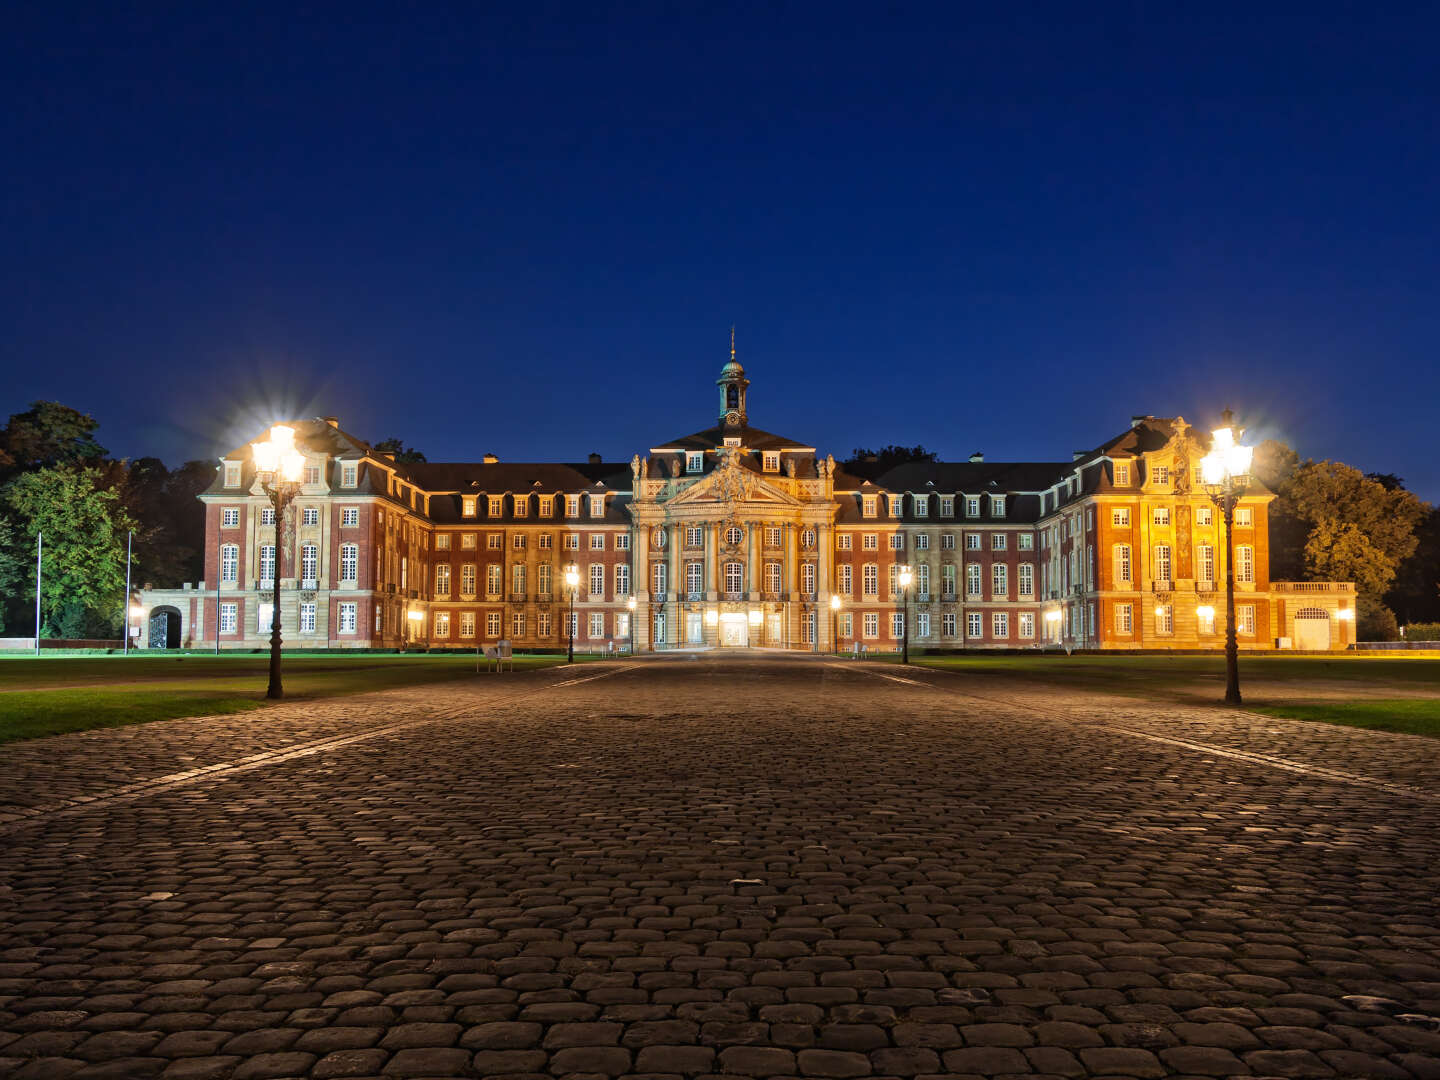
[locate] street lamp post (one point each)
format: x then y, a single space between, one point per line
1226 473
572 580
280 467
905 575
129 610
835 623
630 605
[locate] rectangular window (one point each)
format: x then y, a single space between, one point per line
309 561
972 581
922 542
232 474
947 506
467 624
870 542
1160 475
847 625
597 506
494 506
843 542
947 581
972 541
922 509
307 617
622 541
467 579
694 536
1124 619
807 578
1204 515
442 624
267 562
1122 474
544 542
468 541
872 624
1205 562
542 579
947 541
543 619
350 516
572 542
694 461
947 624
597 625
870 505
1162 562
1244 515
1160 515
227 618
467 506
897 625
772 461
572 506
622 624
1244 563
1245 619
658 580
772 537
522 505
870 580
974 625
999 581
547 506
349 563
442 579
997 541
1000 624
517 579
267 516
518 541
348 609
597 581
1027 624
997 506
922 581
492 624
897 541
1122 563
846 580
1027 581
972 506
349 473
734 577
597 541
1025 541
517 624
897 505
772 577
230 517
622 580
493 580
1120 517
1164 619
494 541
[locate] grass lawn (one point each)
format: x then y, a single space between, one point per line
1361 691
46 696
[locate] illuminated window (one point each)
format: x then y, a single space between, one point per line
350 515
1122 474
947 506
232 474
694 461
997 506
846 586
1027 581
442 579
492 624
869 505
1120 517
999 581
1124 619
1204 515
307 617
843 542
227 618
1245 619
1164 619
1027 624
495 505
442 624
872 624
870 542
974 625
1244 563
467 624
517 579
1244 515
1000 624
734 577
349 478
522 505
467 579
517 624
349 563
230 517
1160 515
267 563
1160 475
772 461
870 579
597 581
347 617
897 505
1162 562
597 625
597 506
622 580
543 624
1122 562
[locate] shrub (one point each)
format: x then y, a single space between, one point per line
1422 631
1375 622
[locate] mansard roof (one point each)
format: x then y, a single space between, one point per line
751 438
972 477
500 477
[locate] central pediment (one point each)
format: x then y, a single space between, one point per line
733 485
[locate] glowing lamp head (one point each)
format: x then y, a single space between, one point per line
712 617
277 456
414 616
1052 616
136 610
834 601
906 575
1345 614
756 617
572 575
1205 611
630 603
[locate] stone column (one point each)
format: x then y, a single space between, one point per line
753 530
708 552
824 586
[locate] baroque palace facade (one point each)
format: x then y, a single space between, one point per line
736 537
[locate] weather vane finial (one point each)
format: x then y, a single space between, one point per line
732 341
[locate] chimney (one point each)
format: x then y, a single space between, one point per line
977 457
490 459
333 421
594 458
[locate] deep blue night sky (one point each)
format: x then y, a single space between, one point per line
529 232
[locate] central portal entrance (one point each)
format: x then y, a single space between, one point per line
734 630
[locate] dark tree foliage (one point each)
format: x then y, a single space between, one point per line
48 434
1388 480
887 457
1416 594
402 452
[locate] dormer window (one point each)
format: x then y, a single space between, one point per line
495 505
997 506
522 505
897 505
348 474
922 505
597 506
547 506
870 505
1160 475
232 474
1122 474
772 461
467 506
694 461
947 506
972 506
572 506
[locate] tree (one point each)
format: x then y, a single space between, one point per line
1416 595
84 524
12 569
1274 465
403 453
887 457
48 434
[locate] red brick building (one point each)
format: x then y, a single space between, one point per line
733 536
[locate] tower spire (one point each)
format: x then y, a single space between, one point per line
732 341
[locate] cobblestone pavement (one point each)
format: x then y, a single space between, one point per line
720 866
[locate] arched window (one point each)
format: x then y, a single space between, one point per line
734 577
732 397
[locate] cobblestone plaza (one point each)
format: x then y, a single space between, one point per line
711 864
